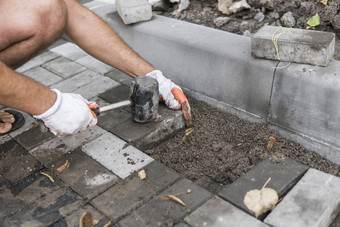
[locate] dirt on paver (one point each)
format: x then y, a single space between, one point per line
223 147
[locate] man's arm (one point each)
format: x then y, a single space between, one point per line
87 30
22 93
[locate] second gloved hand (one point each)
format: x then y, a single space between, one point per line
68 115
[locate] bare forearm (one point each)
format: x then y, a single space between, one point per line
22 93
93 35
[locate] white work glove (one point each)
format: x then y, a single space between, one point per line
69 114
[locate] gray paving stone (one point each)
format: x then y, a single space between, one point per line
30 122
116 94
75 82
4 138
94 64
113 118
295 45
161 212
123 197
16 163
116 155
84 175
96 87
73 219
93 4
37 61
133 11
69 50
54 148
33 138
219 213
144 135
43 76
63 67
57 43
117 75
99 101
283 176
314 201
127 81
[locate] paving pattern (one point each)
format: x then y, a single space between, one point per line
104 161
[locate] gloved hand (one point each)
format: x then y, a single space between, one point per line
69 114
172 95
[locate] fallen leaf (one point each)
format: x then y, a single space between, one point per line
142 174
49 177
86 220
271 143
261 201
107 224
314 20
324 2
63 167
187 133
173 198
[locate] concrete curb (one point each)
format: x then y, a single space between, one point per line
217 67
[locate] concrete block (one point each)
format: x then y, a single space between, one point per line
37 61
219 213
30 122
304 106
161 212
94 64
116 94
117 75
133 11
93 4
314 201
4 138
283 176
77 81
294 45
69 50
57 43
85 176
116 155
43 76
113 118
63 67
123 197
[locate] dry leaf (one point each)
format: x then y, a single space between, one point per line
107 224
63 167
187 133
142 174
271 143
324 2
174 198
86 220
261 201
49 177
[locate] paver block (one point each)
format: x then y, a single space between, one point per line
64 67
98 86
16 163
70 51
283 176
116 155
127 81
144 135
93 4
117 75
123 197
94 64
4 138
84 175
30 122
75 82
43 76
133 11
113 118
294 45
54 148
33 138
57 43
37 61
314 201
161 212
219 213
116 94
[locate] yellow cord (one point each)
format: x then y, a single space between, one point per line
275 38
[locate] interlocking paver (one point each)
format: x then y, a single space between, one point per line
57 43
69 50
133 11
52 149
113 118
93 4
219 213
94 64
43 76
77 81
116 94
161 212
127 81
33 138
84 175
116 155
117 75
96 87
4 138
30 122
123 197
25 164
63 67
314 201
283 176
37 61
